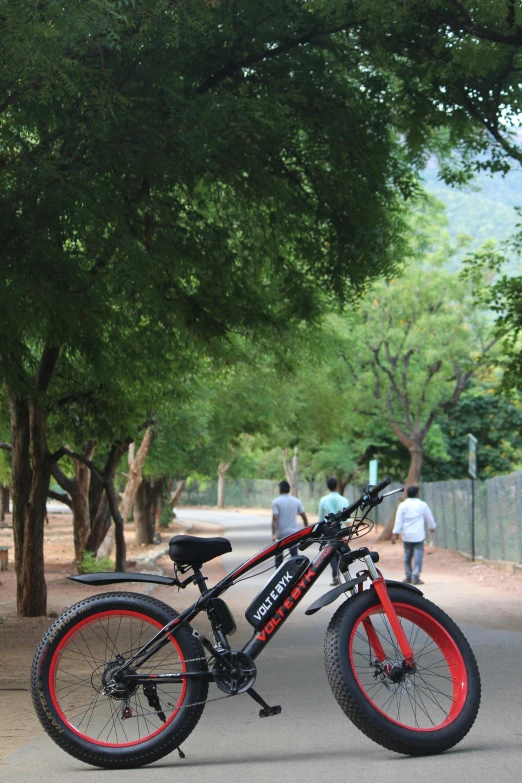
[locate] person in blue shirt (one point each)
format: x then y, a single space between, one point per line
331 504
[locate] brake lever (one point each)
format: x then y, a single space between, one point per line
393 492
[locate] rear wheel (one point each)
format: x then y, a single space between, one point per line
419 712
103 721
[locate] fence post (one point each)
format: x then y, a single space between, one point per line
518 512
456 518
472 519
444 519
500 518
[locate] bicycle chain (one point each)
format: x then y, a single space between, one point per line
194 703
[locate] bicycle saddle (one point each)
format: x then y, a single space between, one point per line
190 550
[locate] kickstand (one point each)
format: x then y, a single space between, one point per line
267 711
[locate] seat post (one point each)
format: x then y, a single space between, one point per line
199 579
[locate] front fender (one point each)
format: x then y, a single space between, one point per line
110 577
403 586
331 595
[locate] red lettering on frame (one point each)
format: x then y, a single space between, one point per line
296 593
288 603
274 621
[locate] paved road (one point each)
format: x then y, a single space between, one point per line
311 739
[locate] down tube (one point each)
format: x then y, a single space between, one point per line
262 637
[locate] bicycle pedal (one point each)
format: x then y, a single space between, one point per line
269 711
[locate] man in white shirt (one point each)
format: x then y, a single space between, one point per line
285 509
410 520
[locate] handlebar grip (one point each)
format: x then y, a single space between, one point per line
304 545
374 491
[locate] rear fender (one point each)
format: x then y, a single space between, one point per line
110 578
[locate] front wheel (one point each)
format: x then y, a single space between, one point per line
110 722
420 712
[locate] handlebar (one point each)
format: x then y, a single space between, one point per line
368 498
374 491
369 492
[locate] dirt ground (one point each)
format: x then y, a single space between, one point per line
496 593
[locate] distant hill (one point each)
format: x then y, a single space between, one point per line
485 210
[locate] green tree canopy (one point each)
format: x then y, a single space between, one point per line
455 68
170 176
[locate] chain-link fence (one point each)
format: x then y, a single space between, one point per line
498 516
498 509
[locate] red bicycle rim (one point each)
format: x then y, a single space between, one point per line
428 699
82 649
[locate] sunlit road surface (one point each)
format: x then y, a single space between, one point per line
312 739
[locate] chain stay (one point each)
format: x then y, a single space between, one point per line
194 703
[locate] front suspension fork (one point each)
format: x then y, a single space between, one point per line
391 614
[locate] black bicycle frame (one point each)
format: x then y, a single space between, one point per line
273 622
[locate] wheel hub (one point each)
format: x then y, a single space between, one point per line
118 688
394 675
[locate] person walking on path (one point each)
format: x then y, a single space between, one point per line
331 504
410 520
285 509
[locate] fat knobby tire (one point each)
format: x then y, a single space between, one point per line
355 704
150 750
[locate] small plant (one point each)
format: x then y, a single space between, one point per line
89 564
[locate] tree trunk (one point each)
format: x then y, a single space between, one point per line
99 510
134 478
31 466
4 501
412 479
292 471
121 513
119 534
80 504
342 484
100 526
180 486
222 472
145 504
96 491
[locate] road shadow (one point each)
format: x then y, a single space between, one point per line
370 755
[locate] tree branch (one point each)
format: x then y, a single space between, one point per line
252 59
60 496
465 24
65 452
46 367
66 483
6 446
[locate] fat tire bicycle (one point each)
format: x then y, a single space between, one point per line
121 679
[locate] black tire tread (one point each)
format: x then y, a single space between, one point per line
380 731
140 755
